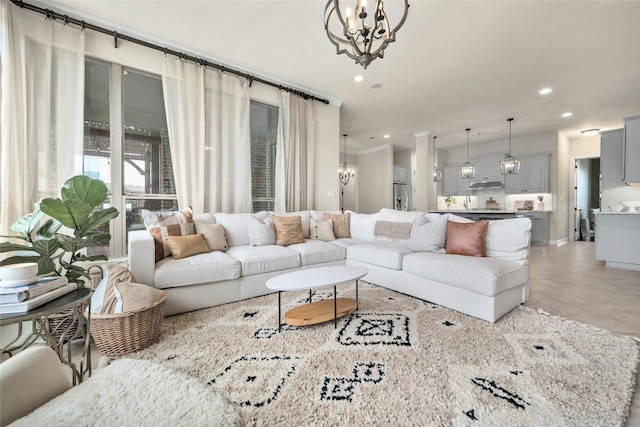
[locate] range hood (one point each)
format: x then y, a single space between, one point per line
486 185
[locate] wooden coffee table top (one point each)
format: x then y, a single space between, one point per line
318 277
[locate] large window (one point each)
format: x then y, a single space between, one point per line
127 145
264 126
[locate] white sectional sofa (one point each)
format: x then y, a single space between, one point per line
484 287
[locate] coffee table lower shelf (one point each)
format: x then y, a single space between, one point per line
320 311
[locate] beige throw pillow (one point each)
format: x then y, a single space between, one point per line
341 225
321 230
288 230
184 246
136 296
214 235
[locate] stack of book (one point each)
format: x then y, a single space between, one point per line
20 299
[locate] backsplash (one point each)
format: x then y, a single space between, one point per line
505 202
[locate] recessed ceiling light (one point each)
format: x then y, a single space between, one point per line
387 136
376 86
358 78
546 91
590 132
567 114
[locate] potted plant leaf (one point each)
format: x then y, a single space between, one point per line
59 253
55 252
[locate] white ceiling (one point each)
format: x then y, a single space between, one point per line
454 64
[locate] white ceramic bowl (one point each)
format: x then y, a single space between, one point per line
21 271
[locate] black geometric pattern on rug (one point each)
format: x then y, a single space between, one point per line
500 392
268 333
375 329
315 296
447 323
342 388
471 414
246 374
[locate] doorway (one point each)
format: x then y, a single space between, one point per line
587 197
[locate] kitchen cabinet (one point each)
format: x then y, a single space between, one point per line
618 239
611 158
452 183
400 174
533 176
540 226
488 168
631 169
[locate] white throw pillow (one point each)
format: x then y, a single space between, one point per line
261 233
428 236
363 225
321 230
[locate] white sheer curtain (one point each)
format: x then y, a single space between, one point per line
41 109
295 154
228 172
209 131
183 87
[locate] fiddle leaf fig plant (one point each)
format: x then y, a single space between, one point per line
55 252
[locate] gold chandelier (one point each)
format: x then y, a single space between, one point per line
362 33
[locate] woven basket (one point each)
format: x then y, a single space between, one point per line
117 335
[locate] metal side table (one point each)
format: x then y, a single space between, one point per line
57 334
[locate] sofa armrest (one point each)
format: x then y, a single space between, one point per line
142 261
28 380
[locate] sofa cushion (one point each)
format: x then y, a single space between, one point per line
214 234
509 239
466 238
429 236
288 230
264 259
184 246
345 243
235 226
391 230
361 226
261 233
393 215
163 224
204 268
304 220
341 227
486 276
321 230
384 253
317 252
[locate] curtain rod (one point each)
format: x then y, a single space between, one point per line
50 14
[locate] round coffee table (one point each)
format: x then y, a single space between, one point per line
312 278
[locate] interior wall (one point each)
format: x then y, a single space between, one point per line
375 170
326 197
425 189
560 182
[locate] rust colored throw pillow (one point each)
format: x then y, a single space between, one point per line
288 230
163 224
184 246
341 224
467 238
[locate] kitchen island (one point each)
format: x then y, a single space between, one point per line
540 220
618 239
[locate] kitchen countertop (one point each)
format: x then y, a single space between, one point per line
486 211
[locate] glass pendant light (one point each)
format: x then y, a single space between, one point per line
467 170
437 173
509 165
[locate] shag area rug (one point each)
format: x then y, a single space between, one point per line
402 361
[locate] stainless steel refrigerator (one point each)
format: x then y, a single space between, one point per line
402 197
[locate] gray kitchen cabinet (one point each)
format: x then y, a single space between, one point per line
488 168
452 183
540 226
611 158
631 170
533 176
